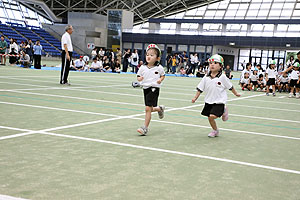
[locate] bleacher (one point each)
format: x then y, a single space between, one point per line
50 44
8 32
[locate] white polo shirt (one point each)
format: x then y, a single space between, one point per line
215 89
151 75
97 65
66 39
79 63
245 80
272 73
295 75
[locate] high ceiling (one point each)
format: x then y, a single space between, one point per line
142 9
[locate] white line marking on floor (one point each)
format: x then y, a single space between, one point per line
176 153
53 108
6 197
264 108
281 97
142 105
16 135
12 128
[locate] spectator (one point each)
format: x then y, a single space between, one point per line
94 53
101 53
174 64
126 58
139 65
227 72
29 50
13 50
119 55
96 65
169 63
117 67
86 67
24 60
134 60
79 64
3 49
194 63
37 54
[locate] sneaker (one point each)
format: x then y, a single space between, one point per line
274 94
143 130
225 115
291 95
243 89
213 133
267 94
297 96
161 113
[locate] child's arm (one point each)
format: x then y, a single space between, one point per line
196 96
234 92
140 78
161 79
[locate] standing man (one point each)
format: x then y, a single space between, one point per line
66 55
3 47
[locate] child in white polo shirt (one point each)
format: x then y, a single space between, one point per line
151 74
271 75
215 84
295 81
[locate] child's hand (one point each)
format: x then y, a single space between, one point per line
237 94
159 81
140 78
194 100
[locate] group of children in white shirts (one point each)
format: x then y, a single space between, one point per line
258 80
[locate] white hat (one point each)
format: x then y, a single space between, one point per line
153 46
216 58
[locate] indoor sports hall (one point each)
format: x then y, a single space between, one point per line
79 138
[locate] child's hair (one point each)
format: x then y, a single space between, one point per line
156 52
260 76
248 64
246 74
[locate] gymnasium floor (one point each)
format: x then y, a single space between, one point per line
80 141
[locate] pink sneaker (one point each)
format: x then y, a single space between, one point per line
225 115
213 133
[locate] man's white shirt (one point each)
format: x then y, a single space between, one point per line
66 39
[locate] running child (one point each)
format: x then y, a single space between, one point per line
215 84
271 74
151 75
295 79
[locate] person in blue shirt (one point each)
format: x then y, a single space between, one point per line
37 54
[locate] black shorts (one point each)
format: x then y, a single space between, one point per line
293 83
254 82
283 83
151 96
271 81
214 109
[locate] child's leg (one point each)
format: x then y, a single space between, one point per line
273 88
268 88
148 111
212 121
